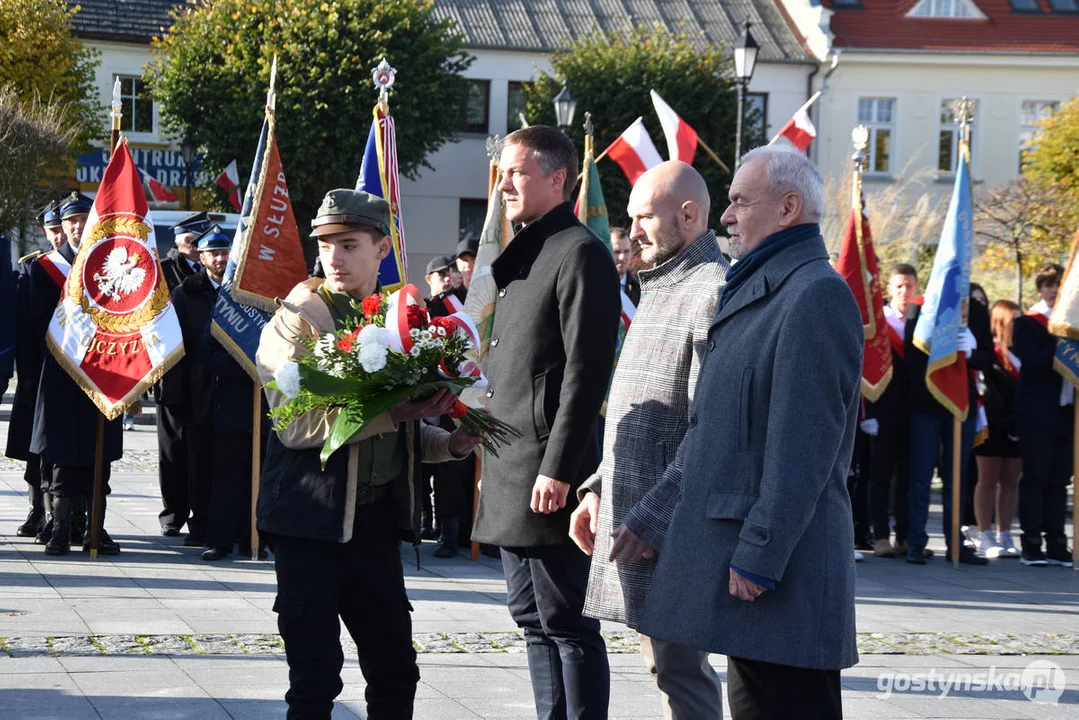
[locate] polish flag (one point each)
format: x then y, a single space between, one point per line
799 130
158 191
681 138
229 181
634 151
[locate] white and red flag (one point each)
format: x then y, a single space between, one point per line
799 130
115 330
158 191
634 151
229 181
681 137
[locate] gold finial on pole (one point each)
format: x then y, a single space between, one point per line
860 138
963 109
383 77
117 115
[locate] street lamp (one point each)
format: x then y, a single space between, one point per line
565 105
745 58
187 152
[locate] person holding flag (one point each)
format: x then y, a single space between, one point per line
946 337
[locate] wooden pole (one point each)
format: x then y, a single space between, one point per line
711 154
97 502
957 489
1075 495
474 551
256 466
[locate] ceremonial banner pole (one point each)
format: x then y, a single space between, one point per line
97 501
256 465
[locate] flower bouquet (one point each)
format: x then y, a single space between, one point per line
395 351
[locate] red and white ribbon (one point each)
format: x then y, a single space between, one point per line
397 305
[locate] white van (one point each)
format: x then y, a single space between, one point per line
165 219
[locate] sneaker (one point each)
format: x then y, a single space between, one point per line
1058 555
988 546
883 548
1033 557
129 423
971 536
1007 545
858 556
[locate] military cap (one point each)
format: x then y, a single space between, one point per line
50 215
75 204
194 223
343 210
213 239
439 263
468 246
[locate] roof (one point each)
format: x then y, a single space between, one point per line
548 25
123 20
883 24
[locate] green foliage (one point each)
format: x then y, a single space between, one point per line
1053 168
611 75
43 61
210 73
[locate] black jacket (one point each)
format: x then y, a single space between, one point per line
188 386
176 269
233 391
65 418
894 402
549 366
921 401
999 398
27 364
1037 397
633 288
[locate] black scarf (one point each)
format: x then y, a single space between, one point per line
742 270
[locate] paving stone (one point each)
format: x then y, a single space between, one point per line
17 647
74 646
216 644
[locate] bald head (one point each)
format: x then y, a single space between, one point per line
669 207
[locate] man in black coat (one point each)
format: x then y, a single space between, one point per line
171 400
622 248
65 418
191 381
549 366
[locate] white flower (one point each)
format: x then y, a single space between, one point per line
415 351
287 378
373 356
374 335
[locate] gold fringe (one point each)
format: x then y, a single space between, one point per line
939 394
250 299
872 393
1062 330
1066 372
260 187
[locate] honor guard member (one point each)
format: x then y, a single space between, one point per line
466 262
335 531
28 366
438 280
65 418
180 263
191 380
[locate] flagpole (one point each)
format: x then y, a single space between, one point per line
256 466
808 102
712 154
117 115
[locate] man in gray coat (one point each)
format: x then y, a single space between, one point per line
756 563
647 417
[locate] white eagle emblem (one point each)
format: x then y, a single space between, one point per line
122 275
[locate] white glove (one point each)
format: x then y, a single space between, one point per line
870 426
966 342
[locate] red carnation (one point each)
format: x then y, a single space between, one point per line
458 410
372 305
445 323
417 317
347 341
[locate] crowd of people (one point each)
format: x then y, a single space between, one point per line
702 479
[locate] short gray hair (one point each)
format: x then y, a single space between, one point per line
791 171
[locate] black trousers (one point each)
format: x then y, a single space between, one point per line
890 465
198 440
229 515
72 482
361 583
171 469
567 659
1043 490
858 486
765 691
453 486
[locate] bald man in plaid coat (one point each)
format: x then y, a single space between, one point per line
647 416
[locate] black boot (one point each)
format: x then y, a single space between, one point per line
60 541
447 541
45 532
78 520
105 544
36 517
426 531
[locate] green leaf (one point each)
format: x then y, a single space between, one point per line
324 384
345 427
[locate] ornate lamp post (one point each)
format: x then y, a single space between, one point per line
745 59
565 105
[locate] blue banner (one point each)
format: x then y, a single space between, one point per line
165 166
378 176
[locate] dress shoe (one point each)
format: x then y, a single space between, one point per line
105 544
33 524
169 531
215 554
45 533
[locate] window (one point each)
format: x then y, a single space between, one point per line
136 104
516 101
1025 6
1031 113
756 129
475 106
1064 6
878 115
948 145
946 9
471 214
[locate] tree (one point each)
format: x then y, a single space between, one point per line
1052 166
37 139
43 61
610 75
1024 225
211 70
